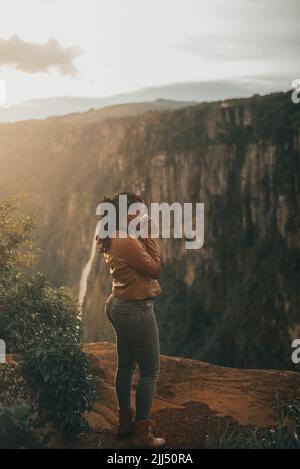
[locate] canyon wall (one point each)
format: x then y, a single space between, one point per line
234 302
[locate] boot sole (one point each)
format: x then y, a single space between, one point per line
145 446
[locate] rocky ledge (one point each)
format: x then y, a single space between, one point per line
193 399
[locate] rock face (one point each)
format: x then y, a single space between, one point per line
193 398
236 301
230 302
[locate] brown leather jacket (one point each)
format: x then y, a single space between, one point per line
135 265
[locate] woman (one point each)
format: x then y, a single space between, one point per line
135 266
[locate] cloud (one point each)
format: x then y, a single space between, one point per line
252 30
236 47
31 57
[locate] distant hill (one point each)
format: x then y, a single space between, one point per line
61 106
176 93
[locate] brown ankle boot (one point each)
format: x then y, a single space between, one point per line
143 437
125 428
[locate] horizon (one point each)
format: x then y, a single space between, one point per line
181 94
136 90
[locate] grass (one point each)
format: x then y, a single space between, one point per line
286 435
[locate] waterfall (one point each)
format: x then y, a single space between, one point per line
85 275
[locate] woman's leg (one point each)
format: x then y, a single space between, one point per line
125 364
137 338
124 373
145 344
146 348
145 393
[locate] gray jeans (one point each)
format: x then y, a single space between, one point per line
136 331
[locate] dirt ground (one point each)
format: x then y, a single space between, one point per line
194 400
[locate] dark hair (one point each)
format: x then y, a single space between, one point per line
132 198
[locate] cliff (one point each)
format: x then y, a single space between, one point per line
194 400
236 301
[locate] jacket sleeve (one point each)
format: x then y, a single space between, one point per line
142 257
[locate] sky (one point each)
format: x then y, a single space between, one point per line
96 48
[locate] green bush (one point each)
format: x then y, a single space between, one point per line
15 247
16 431
13 389
32 311
60 373
42 324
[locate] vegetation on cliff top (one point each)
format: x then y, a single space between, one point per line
286 435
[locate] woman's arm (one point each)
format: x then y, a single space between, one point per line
145 261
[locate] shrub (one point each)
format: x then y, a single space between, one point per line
13 389
60 373
42 324
16 431
32 311
15 248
